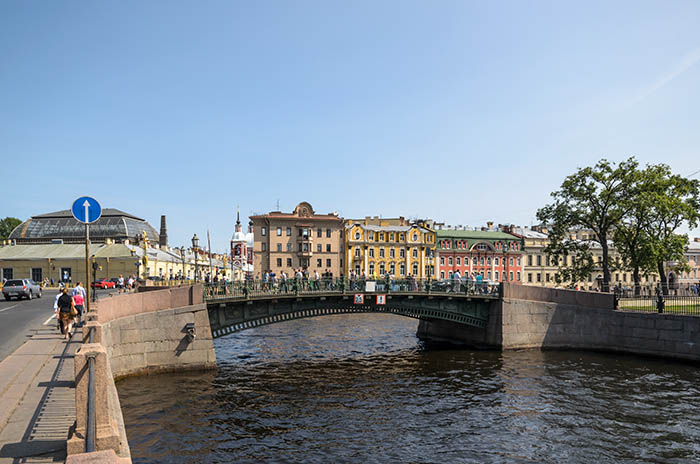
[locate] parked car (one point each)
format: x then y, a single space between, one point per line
21 288
103 283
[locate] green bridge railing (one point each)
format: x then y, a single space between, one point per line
308 286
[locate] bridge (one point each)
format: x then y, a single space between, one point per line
236 307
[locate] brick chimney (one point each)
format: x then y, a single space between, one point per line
163 237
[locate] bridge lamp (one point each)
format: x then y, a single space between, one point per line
195 246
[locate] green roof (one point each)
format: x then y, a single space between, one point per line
475 234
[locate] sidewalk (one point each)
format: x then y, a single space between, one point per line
37 394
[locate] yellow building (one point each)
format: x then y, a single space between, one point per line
375 247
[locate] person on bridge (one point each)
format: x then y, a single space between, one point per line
79 291
66 306
55 310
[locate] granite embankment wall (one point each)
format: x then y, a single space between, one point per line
535 317
145 332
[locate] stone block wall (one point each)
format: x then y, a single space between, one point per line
157 341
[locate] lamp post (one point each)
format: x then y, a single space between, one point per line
182 255
195 246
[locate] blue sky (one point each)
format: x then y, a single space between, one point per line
460 111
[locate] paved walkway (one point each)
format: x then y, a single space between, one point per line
37 395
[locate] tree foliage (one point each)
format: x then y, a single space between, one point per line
7 225
591 198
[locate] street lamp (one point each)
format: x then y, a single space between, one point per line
195 246
182 255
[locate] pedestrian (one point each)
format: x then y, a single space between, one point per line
55 310
79 291
67 311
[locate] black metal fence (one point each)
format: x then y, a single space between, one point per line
671 304
305 286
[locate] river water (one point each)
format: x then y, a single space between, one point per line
362 388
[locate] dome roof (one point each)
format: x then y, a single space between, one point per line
61 225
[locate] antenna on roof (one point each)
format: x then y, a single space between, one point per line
278 204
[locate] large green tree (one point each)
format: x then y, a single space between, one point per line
7 225
591 198
675 200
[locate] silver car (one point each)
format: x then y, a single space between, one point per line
21 288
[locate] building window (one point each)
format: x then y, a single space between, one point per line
391 237
442 260
357 235
510 276
328 247
546 277
371 269
328 233
415 269
529 260
289 231
319 262
529 277
459 261
539 277
319 232
496 273
264 246
382 269
263 231
328 262
518 276
371 252
381 252
279 247
36 274
289 247
402 269
289 262
392 268
488 261
306 246
392 253
415 252
402 253
519 261
481 261
279 231
279 262
319 247
496 261
539 260
510 262
449 261
357 252
401 238
442 274
415 237
381 236
488 275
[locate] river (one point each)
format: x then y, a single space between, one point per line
362 388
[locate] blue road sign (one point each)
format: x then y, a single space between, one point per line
86 210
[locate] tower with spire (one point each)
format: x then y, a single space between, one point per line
239 251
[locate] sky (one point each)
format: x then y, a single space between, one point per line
460 111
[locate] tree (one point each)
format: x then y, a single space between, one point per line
674 200
592 198
7 225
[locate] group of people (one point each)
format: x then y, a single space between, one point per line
68 307
301 278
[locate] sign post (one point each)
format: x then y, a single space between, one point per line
86 210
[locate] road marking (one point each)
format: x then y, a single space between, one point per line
9 307
49 319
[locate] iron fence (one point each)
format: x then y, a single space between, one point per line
670 304
304 286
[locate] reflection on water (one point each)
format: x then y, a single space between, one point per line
352 388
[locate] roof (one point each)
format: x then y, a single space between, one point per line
66 213
475 234
384 228
529 233
63 251
113 224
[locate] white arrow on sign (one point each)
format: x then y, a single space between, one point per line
86 205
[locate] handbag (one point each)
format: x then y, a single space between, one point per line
73 311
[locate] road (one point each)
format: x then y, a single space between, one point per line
19 319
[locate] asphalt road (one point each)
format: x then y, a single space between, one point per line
19 319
